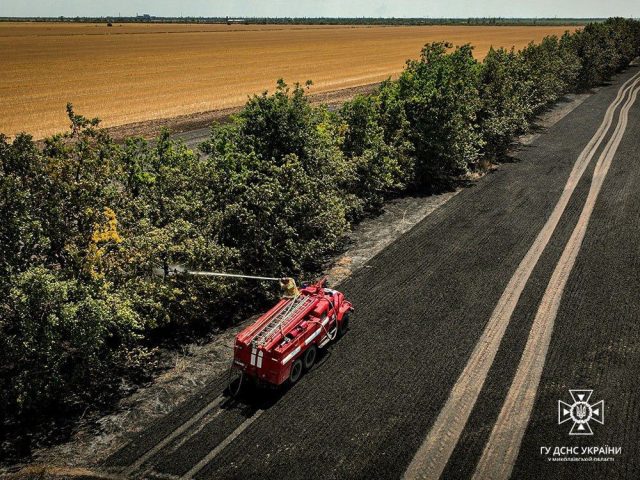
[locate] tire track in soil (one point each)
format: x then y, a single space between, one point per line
213 453
182 461
434 453
172 436
502 449
219 421
596 338
470 446
142 442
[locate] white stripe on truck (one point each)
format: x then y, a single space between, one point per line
312 336
259 363
291 355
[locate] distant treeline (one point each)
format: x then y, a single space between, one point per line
85 220
315 20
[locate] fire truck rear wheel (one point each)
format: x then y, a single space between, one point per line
310 357
235 381
296 371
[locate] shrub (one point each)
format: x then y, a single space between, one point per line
505 90
59 338
440 99
600 57
380 167
551 70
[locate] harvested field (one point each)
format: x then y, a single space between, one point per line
135 72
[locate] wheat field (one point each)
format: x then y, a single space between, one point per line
135 72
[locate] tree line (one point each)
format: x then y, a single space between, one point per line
86 220
397 21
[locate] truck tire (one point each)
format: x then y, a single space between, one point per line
343 326
235 382
310 357
296 371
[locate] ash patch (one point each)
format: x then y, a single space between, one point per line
372 235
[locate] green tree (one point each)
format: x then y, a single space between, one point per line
595 45
551 70
380 169
506 107
439 93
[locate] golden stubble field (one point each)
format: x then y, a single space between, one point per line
135 72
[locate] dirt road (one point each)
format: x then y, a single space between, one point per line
467 332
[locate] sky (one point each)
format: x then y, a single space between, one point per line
323 8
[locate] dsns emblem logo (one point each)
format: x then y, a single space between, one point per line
581 412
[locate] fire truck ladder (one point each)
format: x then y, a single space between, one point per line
282 318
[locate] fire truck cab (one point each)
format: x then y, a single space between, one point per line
284 342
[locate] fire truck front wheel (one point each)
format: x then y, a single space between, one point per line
310 357
343 326
296 371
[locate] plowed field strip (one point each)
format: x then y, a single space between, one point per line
503 446
431 459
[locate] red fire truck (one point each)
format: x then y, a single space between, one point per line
284 342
